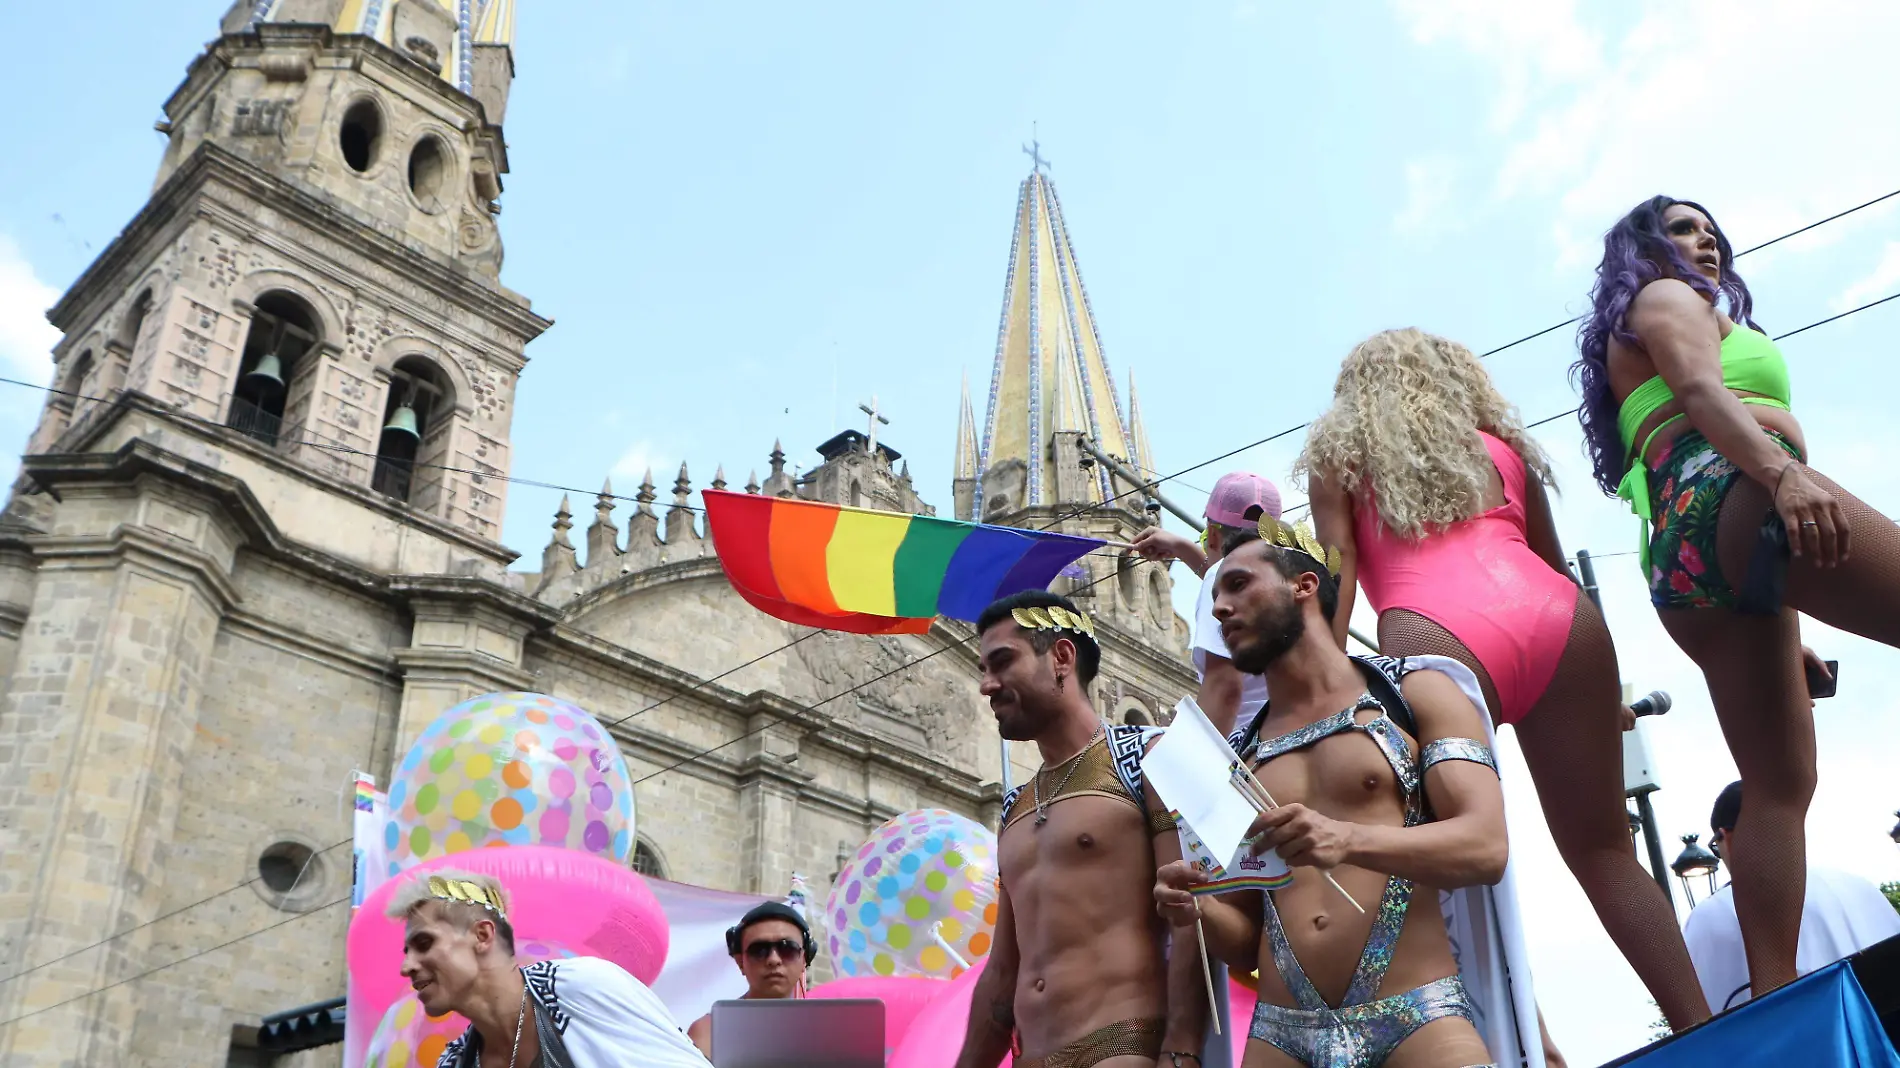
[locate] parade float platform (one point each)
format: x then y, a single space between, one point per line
1846 1014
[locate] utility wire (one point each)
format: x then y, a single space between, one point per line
843 693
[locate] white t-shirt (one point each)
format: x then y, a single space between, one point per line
1843 914
1207 642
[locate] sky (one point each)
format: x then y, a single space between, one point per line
747 218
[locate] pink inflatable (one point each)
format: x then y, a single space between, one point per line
1240 1002
935 1034
594 906
904 996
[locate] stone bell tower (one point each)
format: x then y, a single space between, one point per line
254 542
320 252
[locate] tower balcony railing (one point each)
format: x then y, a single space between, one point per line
254 422
393 478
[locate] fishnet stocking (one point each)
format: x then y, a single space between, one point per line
1572 745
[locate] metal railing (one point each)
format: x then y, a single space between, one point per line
393 478
252 421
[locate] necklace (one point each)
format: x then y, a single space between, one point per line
1074 762
519 1018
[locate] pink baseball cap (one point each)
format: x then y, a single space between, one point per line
1240 492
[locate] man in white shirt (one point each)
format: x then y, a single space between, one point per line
1230 698
1843 914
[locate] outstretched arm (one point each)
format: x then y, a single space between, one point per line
1219 695
1464 846
1332 524
993 1003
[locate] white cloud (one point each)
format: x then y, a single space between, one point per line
641 458
1429 185
26 338
1752 106
1533 47
1884 280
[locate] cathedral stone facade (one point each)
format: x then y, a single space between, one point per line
225 586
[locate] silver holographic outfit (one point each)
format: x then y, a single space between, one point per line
1364 1029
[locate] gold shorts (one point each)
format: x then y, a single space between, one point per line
1124 1038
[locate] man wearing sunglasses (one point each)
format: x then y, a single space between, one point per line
772 945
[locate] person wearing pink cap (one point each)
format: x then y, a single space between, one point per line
1230 699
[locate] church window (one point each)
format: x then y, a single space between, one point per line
414 438
1130 581
360 135
283 333
428 172
79 378
283 865
135 321
646 861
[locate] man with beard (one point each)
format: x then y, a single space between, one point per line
1385 783
1078 973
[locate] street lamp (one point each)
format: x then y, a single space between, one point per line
1895 833
1693 861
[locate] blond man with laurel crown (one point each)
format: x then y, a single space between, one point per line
583 1012
1079 974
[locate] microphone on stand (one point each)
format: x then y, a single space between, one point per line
1655 704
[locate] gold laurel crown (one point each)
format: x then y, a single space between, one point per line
1299 537
1054 617
467 892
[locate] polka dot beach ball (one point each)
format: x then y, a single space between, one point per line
510 769
919 898
408 1037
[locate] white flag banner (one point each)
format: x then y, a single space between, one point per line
698 969
369 815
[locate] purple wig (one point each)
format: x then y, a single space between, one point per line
1633 251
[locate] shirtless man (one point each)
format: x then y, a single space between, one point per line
1339 989
1077 969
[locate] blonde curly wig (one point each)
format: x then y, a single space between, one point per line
1405 415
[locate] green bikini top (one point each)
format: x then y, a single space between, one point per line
1750 363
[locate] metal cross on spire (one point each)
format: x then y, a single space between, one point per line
871 410
1034 150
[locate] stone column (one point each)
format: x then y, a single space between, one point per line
467 641
769 782
94 729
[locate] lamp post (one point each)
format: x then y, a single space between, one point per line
1639 778
1895 833
1694 861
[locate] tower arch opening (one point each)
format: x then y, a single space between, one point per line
360 134
283 334
415 437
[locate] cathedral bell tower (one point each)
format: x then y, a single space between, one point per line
255 540
320 260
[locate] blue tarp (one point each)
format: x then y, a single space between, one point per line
1820 1021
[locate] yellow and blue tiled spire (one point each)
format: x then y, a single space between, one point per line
478 22
1050 373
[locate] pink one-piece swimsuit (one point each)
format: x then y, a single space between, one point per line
1480 580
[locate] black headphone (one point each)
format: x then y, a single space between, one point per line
771 910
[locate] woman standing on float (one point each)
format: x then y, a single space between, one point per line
1423 477
1741 533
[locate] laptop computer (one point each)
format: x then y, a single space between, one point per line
798 1033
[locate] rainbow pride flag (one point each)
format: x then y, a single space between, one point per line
868 572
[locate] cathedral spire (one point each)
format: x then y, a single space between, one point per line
966 464
466 26
1139 455
1050 372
